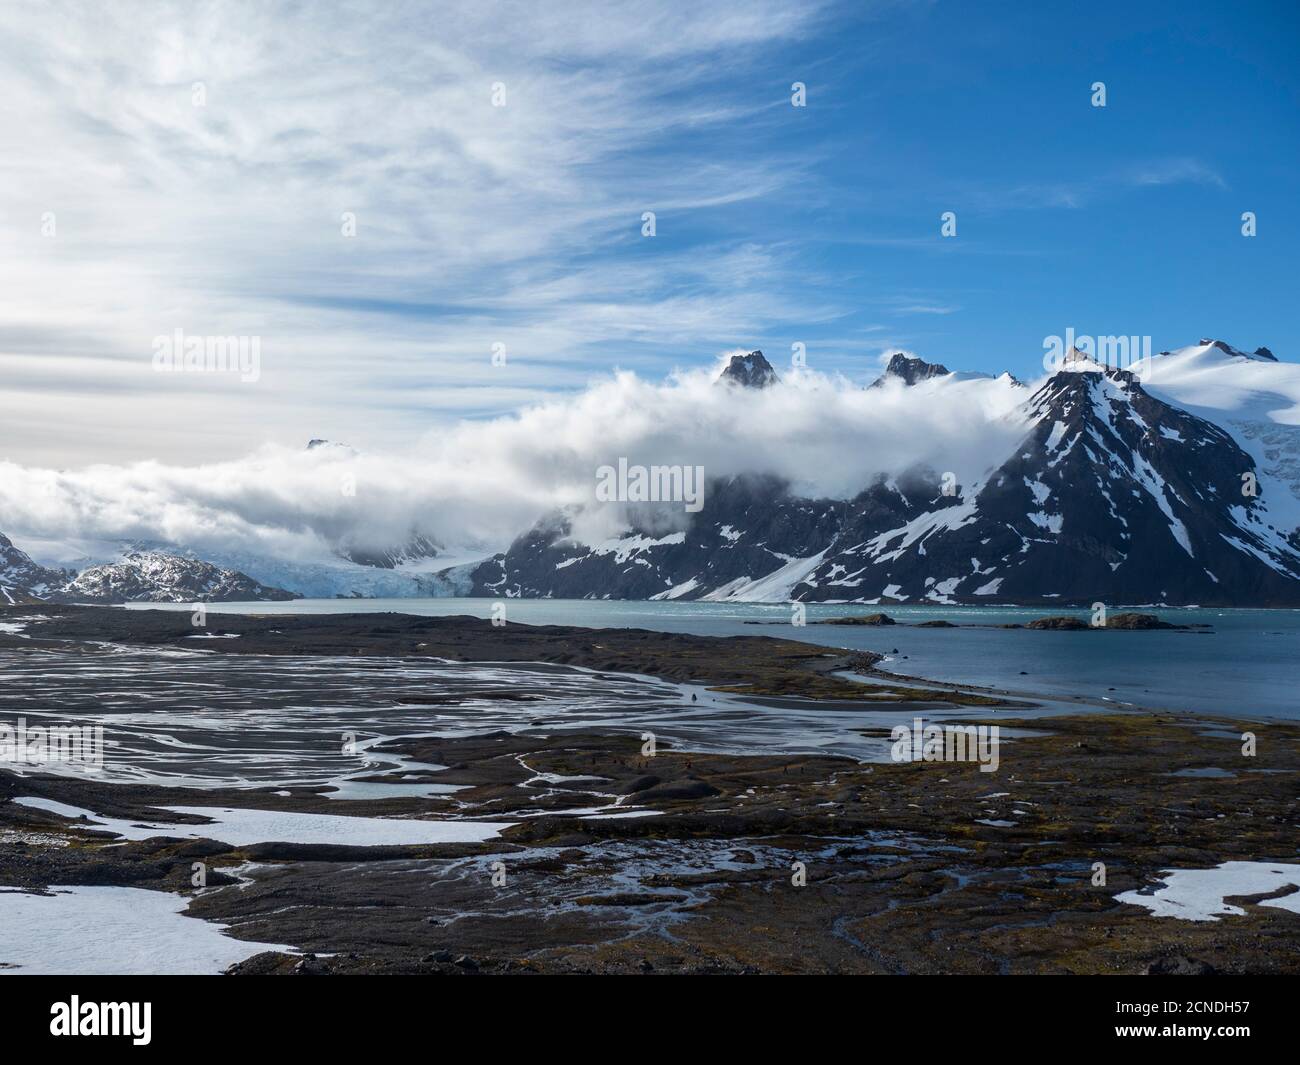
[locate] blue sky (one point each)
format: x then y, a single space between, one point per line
1116 220
521 225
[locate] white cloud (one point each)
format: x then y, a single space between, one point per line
476 224
479 484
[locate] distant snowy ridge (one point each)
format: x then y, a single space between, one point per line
1113 494
140 576
1178 482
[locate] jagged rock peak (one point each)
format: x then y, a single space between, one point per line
19 574
1228 349
909 369
1080 359
749 371
1081 362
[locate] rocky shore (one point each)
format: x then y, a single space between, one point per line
620 859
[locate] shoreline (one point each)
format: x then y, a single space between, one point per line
618 862
285 607
1183 674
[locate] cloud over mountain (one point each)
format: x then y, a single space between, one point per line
479 484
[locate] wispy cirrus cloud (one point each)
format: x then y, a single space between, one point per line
518 228
1175 172
910 305
196 163
1080 191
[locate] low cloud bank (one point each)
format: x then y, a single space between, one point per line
477 485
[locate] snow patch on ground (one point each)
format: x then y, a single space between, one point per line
679 590
625 547
920 527
774 588
1047 522
114 931
243 827
1199 894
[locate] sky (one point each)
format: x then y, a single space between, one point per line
198 167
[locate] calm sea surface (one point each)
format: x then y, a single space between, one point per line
1247 664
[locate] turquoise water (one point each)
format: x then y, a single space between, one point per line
1246 665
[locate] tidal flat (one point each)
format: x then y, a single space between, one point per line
623 801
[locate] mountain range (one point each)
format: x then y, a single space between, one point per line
140 576
1174 481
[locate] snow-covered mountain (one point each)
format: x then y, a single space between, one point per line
154 577
1114 495
1177 482
1254 397
140 577
114 568
22 580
